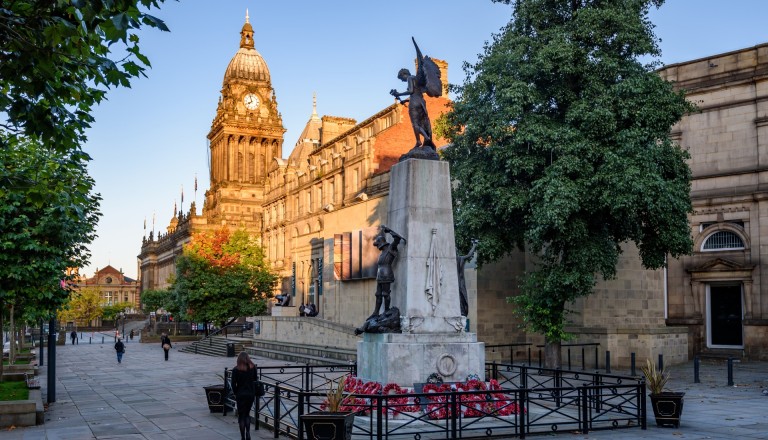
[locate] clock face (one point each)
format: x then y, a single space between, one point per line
251 101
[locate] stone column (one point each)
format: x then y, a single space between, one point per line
426 287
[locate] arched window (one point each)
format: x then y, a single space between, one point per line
723 240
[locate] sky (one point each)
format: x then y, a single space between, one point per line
148 142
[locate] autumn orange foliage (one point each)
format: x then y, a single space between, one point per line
213 247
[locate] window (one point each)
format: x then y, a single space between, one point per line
722 240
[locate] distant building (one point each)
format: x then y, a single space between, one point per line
114 288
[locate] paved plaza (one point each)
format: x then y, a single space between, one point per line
146 397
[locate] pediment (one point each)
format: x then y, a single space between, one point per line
722 265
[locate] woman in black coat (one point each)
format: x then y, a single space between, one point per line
244 388
165 342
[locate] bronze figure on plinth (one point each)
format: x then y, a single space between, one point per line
426 80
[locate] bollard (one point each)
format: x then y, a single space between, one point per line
597 366
661 362
696 369
608 361
102 339
583 360
730 371
632 364
569 358
90 340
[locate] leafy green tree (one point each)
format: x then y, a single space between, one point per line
152 300
561 144
83 307
110 311
48 215
222 275
57 61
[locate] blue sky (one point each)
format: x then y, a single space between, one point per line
150 140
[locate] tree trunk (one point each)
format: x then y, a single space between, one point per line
12 328
552 354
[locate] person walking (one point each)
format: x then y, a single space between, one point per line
73 336
244 387
120 349
165 342
132 334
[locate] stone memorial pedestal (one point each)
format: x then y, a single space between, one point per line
425 289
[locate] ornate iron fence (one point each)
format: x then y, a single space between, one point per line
527 400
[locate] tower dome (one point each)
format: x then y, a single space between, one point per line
247 64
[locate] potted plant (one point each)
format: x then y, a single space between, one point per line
334 423
667 405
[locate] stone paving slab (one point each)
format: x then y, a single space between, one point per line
146 397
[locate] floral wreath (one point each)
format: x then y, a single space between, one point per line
397 405
437 406
434 378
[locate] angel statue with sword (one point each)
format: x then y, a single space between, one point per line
427 79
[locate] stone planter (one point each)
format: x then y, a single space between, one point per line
20 413
214 394
324 425
667 408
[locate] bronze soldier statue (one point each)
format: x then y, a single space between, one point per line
385 275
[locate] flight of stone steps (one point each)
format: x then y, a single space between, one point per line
301 353
217 345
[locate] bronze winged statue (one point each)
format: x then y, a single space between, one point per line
426 80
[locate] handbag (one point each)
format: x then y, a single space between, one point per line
166 347
260 389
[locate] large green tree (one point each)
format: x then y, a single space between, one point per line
59 57
222 275
561 144
48 216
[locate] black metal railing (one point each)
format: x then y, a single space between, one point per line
502 350
527 400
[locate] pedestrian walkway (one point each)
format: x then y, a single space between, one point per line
146 397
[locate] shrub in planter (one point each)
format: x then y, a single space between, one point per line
667 405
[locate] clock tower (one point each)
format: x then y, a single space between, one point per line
246 135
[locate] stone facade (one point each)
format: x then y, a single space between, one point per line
718 292
113 287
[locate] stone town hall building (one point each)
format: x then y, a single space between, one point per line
315 212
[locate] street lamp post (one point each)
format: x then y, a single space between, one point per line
122 315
